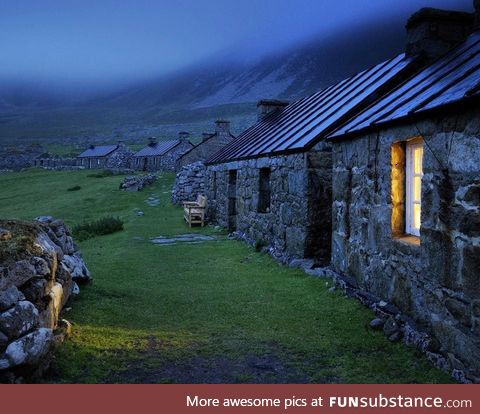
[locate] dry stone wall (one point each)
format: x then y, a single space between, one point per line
40 267
436 282
189 183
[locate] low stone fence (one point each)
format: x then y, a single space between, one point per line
189 183
132 183
40 266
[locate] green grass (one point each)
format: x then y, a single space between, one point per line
198 313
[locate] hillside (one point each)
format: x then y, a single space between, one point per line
191 99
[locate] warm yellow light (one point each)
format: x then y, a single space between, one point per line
416 215
417 156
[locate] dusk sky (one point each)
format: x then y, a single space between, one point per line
106 40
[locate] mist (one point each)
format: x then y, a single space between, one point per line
83 48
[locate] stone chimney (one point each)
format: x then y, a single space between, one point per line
205 136
121 144
183 136
267 106
432 32
222 127
152 141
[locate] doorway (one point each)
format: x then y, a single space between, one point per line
232 200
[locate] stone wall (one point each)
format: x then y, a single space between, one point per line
296 224
18 157
39 267
435 279
189 183
55 162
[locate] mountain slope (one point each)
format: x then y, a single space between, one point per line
194 97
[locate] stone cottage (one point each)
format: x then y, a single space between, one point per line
105 156
272 184
163 155
406 193
210 144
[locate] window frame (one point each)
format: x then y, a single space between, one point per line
264 204
410 175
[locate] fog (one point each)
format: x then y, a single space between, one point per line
93 45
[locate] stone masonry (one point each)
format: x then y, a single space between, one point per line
435 280
40 266
296 223
189 183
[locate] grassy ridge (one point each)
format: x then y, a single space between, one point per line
211 312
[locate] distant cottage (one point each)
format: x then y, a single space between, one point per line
395 151
105 156
163 155
209 145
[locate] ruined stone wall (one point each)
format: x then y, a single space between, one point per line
285 227
189 183
39 267
435 279
204 150
18 157
55 162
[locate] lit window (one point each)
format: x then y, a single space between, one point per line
414 174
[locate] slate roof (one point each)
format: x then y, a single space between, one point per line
98 151
451 79
159 148
299 125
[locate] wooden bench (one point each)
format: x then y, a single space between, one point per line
194 211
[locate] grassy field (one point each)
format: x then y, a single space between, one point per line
211 312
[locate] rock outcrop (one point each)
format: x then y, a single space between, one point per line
132 183
40 266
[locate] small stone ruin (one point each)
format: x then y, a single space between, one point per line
40 266
132 183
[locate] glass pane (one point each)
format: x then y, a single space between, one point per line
416 216
417 159
417 188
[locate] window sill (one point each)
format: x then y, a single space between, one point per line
408 239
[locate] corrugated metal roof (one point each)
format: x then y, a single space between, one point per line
98 151
159 148
451 79
301 123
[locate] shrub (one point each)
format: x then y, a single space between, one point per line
74 188
106 225
101 174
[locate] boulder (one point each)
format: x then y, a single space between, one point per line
20 273
29 349
9 297
75 265
377 324
18 320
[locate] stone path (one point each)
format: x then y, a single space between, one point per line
153 200
182 238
